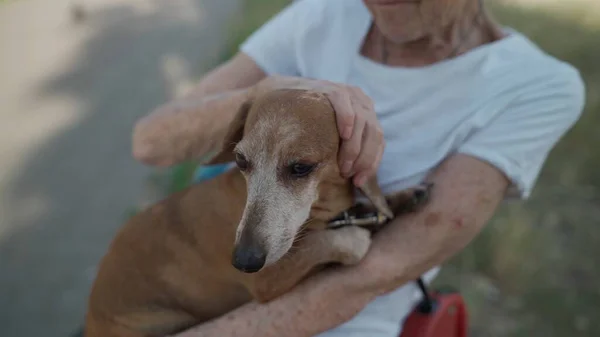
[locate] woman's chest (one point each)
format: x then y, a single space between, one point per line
418 120
423 123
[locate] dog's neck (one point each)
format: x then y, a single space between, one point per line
335 196
234 185
231 186
226 202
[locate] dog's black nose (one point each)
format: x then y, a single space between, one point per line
249 259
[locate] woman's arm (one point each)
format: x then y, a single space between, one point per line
466 194
195 125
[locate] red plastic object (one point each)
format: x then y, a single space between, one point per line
447 319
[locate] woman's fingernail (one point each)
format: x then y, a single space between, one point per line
347 132
346 167
360 181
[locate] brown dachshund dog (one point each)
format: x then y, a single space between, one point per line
251 233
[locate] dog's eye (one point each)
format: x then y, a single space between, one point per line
241 161
299 170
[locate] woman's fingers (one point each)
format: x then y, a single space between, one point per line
351 149
372 142
370 156
362 147
344 111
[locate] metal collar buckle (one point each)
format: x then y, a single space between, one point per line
348 218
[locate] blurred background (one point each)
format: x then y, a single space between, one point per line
76 74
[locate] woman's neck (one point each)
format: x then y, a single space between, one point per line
471 31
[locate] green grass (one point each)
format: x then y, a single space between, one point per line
253 15
534 270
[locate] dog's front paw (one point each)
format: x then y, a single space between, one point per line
420 194
350 244
411 199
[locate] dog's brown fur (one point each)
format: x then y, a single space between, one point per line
170 267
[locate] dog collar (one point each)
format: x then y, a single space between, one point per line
353 217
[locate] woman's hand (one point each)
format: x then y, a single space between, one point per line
361 133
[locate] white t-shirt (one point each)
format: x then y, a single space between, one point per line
506 103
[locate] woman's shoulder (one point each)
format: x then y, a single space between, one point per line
519 59
307 36
533 82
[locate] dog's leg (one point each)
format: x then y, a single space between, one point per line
410 200
346 245
402 202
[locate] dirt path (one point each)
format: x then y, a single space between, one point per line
69 95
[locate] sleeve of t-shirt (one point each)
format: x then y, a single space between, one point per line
519 139
273 45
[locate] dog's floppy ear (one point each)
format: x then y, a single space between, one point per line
372 191
233 136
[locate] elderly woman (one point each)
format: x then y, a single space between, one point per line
458 99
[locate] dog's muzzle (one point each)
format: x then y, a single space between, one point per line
249 258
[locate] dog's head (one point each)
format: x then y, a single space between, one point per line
286 145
